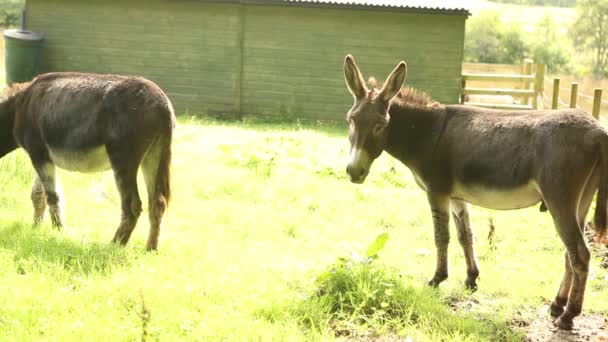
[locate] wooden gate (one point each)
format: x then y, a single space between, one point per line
523 83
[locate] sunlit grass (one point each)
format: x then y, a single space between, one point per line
259 212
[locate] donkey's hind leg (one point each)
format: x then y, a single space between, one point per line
561 299
126 182
38 200
567 224
460 213
125 162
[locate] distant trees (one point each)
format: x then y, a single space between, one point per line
590 31
490 40
557 3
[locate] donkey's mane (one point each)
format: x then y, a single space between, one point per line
408 96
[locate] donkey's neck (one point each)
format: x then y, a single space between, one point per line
413 133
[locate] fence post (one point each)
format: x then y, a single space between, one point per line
539 86
555 101
462 86
597 103
573 95
526 69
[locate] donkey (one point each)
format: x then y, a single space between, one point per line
88 123
489 158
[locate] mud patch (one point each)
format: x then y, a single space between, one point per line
386 338
587 327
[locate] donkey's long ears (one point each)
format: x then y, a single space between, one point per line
353 77
394 82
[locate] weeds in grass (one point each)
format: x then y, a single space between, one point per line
358 296
145 316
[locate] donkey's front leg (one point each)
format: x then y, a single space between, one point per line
440 208
46 176
460 211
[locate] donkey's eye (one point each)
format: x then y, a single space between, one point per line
378 129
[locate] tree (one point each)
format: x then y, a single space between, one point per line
590 30
551 48
482 43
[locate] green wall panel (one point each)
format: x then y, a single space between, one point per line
254 60
190 49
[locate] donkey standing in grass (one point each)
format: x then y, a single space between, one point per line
490 158
87 123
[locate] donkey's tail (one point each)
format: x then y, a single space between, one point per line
601 207
163 175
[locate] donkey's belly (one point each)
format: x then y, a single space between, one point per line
515 198
89 160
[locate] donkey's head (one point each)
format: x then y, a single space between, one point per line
7 118
368 118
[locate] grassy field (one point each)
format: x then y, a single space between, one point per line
259 213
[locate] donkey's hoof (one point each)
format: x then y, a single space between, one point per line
437 280
563 323
120 239
556 310
470 285
150 247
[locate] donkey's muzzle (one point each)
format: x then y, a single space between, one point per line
356 174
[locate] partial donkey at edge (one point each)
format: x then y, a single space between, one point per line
87 123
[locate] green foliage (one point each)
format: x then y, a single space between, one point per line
11 12
357 296
550 47
558 3
590 31
483 39
490 40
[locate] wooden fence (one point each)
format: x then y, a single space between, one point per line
521 85
596 103
587 93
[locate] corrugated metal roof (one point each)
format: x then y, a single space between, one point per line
438 5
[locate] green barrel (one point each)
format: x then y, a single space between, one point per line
22 55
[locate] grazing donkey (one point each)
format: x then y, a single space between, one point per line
490 158
87 123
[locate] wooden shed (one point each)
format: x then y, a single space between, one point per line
255 57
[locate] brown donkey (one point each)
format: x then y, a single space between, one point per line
490 158
87 123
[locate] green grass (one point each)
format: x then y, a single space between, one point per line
259 213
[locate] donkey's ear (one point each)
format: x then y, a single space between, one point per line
353 77
394 82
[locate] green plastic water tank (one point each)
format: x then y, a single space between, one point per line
22 54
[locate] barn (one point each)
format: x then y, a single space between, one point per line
272 58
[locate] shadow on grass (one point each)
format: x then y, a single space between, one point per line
40 249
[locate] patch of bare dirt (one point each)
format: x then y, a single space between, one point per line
587 327
387 338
